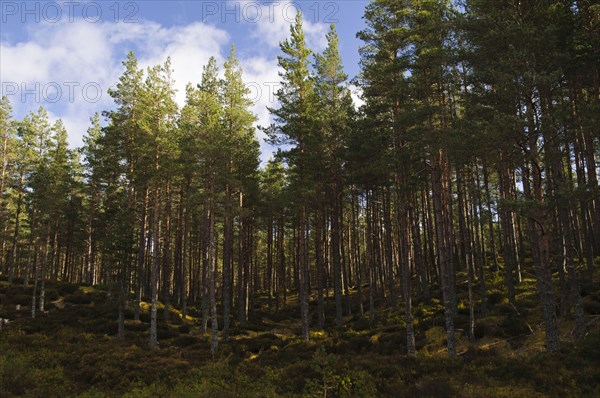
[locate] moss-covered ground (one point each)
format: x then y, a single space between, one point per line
71 350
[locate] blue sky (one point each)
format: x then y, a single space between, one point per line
64 55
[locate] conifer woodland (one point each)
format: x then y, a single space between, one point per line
443 239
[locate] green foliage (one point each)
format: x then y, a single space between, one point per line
434 387
84 360
591 304
66 288
495 297
79 297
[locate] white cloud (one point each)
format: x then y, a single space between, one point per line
356 94
270 21
71 56
83 53
189 47
263 80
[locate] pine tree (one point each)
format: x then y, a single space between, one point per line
335 106
241 154
7 131
158 125
294 121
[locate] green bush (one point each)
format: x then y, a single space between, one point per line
495 297
432 386
591 306
514 326
262 342
52 295
65 289
184 329
92 393
489 327
14 374
13 290
145 317
185 341
21 299
352 343
79 297
165 332
589 347
137 326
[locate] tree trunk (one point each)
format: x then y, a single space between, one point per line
167 276
212 261
141 255
12 261
320 267
441 206
302 277
227 260
541 255
335 258
155 267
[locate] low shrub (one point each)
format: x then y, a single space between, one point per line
165 332
591 306
262 342
431 386
20 298
52 295
495 297
185 341
489 327
514 326
65 289
184 329
145 317
136 326
79 297
352 343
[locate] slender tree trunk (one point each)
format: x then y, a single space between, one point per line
346 269
488 200
12 261
205 268
121 309
36 250
507 222
467 245
184 252
556 165
303 274
269 270
441 206
227 260
539 236
477 217
356 246
369 255
212 254
387 221
281 258
320 267
141 255
406 220
90 240
167 277
43 271
155 267
335 258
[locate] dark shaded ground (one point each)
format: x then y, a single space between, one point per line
72 351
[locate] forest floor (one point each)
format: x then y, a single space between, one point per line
71 350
